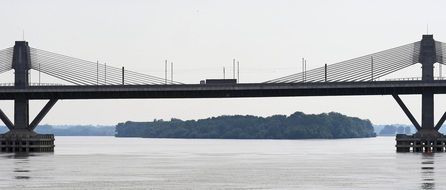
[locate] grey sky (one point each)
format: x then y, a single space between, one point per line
200 37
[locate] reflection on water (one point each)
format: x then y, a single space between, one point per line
21 165
427 171
134 163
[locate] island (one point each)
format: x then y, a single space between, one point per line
295 126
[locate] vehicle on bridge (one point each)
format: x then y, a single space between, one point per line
219 81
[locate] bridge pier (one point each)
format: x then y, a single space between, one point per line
427 138
21 136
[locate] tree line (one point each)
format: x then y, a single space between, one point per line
296 126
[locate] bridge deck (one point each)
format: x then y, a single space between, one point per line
224 91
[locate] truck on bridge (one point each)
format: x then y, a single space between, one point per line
219 81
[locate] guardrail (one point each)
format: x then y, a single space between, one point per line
34 84
413 78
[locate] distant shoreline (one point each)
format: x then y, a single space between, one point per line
73 130
109 130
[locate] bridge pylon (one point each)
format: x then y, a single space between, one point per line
21 136
427 138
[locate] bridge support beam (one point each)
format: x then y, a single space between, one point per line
440 122
427 138
21 136
406 111
6 120
42 114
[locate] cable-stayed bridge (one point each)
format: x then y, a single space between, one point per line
91 80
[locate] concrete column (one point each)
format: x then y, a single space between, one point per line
21 64
427 59
21 113
427 110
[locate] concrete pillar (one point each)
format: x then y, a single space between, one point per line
427 59
427 110
427 138
21 110
21 63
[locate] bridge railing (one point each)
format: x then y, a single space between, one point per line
45 84
413 78
34 84
404 79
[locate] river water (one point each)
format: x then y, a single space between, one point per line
136 163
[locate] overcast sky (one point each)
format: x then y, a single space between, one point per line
202 36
